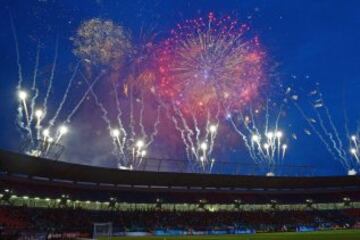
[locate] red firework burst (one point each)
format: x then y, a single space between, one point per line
210 63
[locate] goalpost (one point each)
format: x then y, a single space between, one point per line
102 230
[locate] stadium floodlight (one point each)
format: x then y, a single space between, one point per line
238 201
346 199
115 133
22 95
213 128
203 146
273 203
279 134
112 202
63 129
202 203
39 113
284 146
309 202
140 144
158 203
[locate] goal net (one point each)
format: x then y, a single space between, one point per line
102 230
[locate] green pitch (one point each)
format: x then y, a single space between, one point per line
328 235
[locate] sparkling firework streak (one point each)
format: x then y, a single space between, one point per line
101 42
266 142
207 62
106 44
130 136
40 139
131 145
198 138
322 124
354 147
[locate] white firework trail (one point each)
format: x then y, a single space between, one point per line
52 74
314 128
266 143
132 123
141 114
34 89
98 103
83 98
245 139
198 138
29 118
18 59
118 107
331 132
65 96
133 145
20 109
354 147
156 125
328 133
130 146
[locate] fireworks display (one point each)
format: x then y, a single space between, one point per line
207 63
206 78
205 68
101 42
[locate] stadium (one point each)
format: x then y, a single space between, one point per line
40 195
159 119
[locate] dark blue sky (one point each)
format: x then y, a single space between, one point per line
308 42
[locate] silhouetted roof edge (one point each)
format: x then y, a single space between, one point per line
15 163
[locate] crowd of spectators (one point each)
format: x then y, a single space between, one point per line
17 219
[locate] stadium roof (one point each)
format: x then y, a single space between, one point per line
18 168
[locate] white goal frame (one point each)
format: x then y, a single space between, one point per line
105 228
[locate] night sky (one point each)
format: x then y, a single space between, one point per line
309 44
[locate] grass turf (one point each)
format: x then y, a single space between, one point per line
326 235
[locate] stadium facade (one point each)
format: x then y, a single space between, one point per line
42 184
